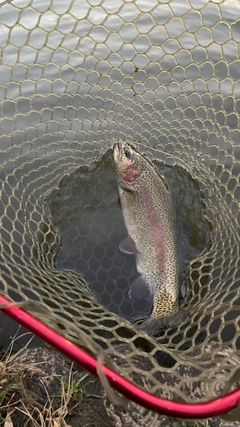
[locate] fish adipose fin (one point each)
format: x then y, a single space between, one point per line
128 247
153 326
140 291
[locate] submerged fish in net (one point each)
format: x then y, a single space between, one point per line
153 236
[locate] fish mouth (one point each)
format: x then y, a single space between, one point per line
117 152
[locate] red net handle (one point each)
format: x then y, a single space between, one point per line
123 386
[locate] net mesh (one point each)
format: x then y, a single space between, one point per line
74 77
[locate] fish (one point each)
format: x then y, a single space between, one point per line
153 237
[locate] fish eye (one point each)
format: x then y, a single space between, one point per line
128 153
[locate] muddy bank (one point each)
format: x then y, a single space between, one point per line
40 388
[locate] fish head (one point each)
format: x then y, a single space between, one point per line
128 164
131 167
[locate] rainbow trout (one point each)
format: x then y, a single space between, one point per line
153 236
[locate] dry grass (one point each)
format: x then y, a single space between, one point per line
15 397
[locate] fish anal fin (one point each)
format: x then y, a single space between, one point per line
139 291
127 246
153 326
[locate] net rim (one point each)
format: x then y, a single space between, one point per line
208 409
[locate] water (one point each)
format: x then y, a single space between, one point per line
86 211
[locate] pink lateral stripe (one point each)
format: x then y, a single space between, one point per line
132 392
157 231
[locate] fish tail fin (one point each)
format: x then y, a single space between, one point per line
153 326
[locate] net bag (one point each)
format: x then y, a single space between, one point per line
75 76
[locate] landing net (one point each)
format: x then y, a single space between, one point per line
74 77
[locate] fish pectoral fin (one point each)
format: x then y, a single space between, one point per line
125 187
140 291
127 246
